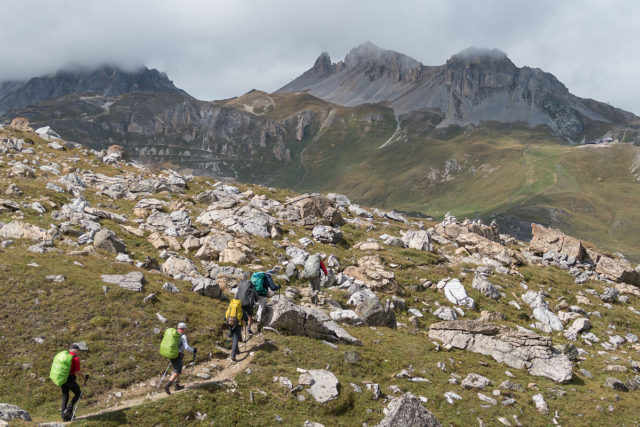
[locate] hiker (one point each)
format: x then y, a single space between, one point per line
176 362
248 297
234 318
262 282
64 371
312 267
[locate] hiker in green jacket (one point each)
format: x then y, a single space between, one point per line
177 362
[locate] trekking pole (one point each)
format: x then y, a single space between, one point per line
165 373
73 415
193 362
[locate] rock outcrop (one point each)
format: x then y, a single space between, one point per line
549 239
519 350
283 315
618 270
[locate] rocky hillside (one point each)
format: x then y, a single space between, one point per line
474 86
418 321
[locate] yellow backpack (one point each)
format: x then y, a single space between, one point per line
233 316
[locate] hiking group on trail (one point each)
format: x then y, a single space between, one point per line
66 364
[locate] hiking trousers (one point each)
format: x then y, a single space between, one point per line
236 336
70 385
262 302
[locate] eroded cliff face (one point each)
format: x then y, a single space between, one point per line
210 138
473 86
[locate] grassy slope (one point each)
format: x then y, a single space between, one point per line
123 349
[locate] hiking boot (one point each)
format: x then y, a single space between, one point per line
167 386
65 417
233 359
179 387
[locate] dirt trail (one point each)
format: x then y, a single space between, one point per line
221 370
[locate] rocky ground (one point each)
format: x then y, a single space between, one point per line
418 323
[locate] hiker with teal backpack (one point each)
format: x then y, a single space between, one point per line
174 343
262 282
64 371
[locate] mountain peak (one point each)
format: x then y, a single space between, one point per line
474 55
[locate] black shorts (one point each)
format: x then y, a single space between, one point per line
176 363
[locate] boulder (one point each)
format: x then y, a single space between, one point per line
450 228
10 412
371 271
333 217
445 313
233 256
20 123
455 293
178 265
21 230
326 234
324 387
283 315
131 281
618 270
482 246
407 411
205 286
373 314
483 285
472 381
107 240
419 240
518 349
579 325
549 239
310 205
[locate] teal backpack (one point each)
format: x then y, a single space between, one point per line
260 284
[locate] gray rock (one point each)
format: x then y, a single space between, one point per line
325 385
578 326
476 381
283 315
454 291
609 295
149 298
205 286
58 278
373 314
326 234
82 346
419 240
170 287
541 404
518 349
107 240
12 412
131 281
486 399
510 385
485 287
615 384
586 373
445 313
407 411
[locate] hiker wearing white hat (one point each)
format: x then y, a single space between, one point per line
177 362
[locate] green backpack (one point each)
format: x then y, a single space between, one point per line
61 367
169 345
259 283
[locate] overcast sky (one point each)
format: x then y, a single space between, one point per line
219 49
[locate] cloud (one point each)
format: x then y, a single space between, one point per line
219 49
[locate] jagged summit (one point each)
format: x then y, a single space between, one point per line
473 86
104 80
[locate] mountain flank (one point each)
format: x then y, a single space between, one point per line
473 86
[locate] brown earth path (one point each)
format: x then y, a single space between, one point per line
222 370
